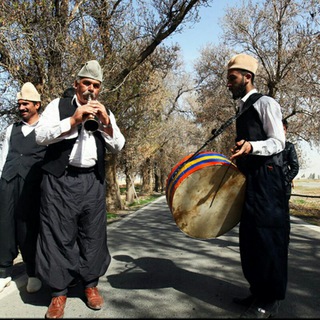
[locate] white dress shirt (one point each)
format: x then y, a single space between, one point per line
84 151
271 117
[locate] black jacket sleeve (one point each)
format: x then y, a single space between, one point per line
291 163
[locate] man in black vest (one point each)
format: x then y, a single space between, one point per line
290 167
263 231
20 170
73 242
290 163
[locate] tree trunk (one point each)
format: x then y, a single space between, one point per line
113 198
146 174
157 178
130 189
163 179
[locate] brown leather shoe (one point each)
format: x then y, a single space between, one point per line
94 299
56 308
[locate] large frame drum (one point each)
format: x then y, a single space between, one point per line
205 195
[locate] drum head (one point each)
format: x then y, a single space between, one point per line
209 202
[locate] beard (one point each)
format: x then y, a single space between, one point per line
239 91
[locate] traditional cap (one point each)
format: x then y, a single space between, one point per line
243 61
28 92
91 70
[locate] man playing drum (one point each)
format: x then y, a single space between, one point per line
263 232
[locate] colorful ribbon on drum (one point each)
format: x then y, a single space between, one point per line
184 168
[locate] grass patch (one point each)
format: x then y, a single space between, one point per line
144 200
306 208
300 201
309 215
136 205
111 215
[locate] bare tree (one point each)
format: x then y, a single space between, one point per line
45 42
284 36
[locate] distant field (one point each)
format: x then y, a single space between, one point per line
305 200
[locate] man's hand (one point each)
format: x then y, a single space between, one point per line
101 112
242 148
92 108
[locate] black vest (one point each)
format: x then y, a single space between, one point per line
57 156
250 128
25 156
249 125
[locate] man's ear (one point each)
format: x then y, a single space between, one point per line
248 76
37 105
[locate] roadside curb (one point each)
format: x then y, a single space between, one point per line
305 223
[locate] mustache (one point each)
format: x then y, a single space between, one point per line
23 110
88 94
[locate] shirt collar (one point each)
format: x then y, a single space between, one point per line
30 125
75 99
244 99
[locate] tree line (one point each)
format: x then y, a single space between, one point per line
164 111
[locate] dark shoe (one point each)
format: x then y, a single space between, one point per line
34 285
247 302
94 299
265 311
56 308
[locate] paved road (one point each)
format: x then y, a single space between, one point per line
159 272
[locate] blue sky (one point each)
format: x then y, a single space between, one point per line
194 37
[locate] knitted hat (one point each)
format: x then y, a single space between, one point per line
244 62
28 92
92 70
